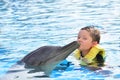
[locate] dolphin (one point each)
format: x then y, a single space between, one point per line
44 59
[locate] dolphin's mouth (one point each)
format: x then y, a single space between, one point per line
70 47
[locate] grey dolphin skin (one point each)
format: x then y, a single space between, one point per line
42 59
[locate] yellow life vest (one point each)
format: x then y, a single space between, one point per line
90 57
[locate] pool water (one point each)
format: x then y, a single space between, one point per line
26 25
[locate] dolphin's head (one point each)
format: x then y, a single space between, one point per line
62 53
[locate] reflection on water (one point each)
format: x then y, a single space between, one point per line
28 24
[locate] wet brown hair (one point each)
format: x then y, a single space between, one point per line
94 33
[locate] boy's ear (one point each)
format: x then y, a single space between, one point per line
95 43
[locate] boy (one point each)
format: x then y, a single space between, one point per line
89 53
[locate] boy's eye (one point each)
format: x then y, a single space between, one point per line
78 37
82 38
85 38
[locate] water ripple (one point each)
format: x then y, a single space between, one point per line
28 24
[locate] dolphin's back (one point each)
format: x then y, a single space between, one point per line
40 55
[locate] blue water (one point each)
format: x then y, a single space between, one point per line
26 25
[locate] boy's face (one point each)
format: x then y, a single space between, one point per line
85 40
